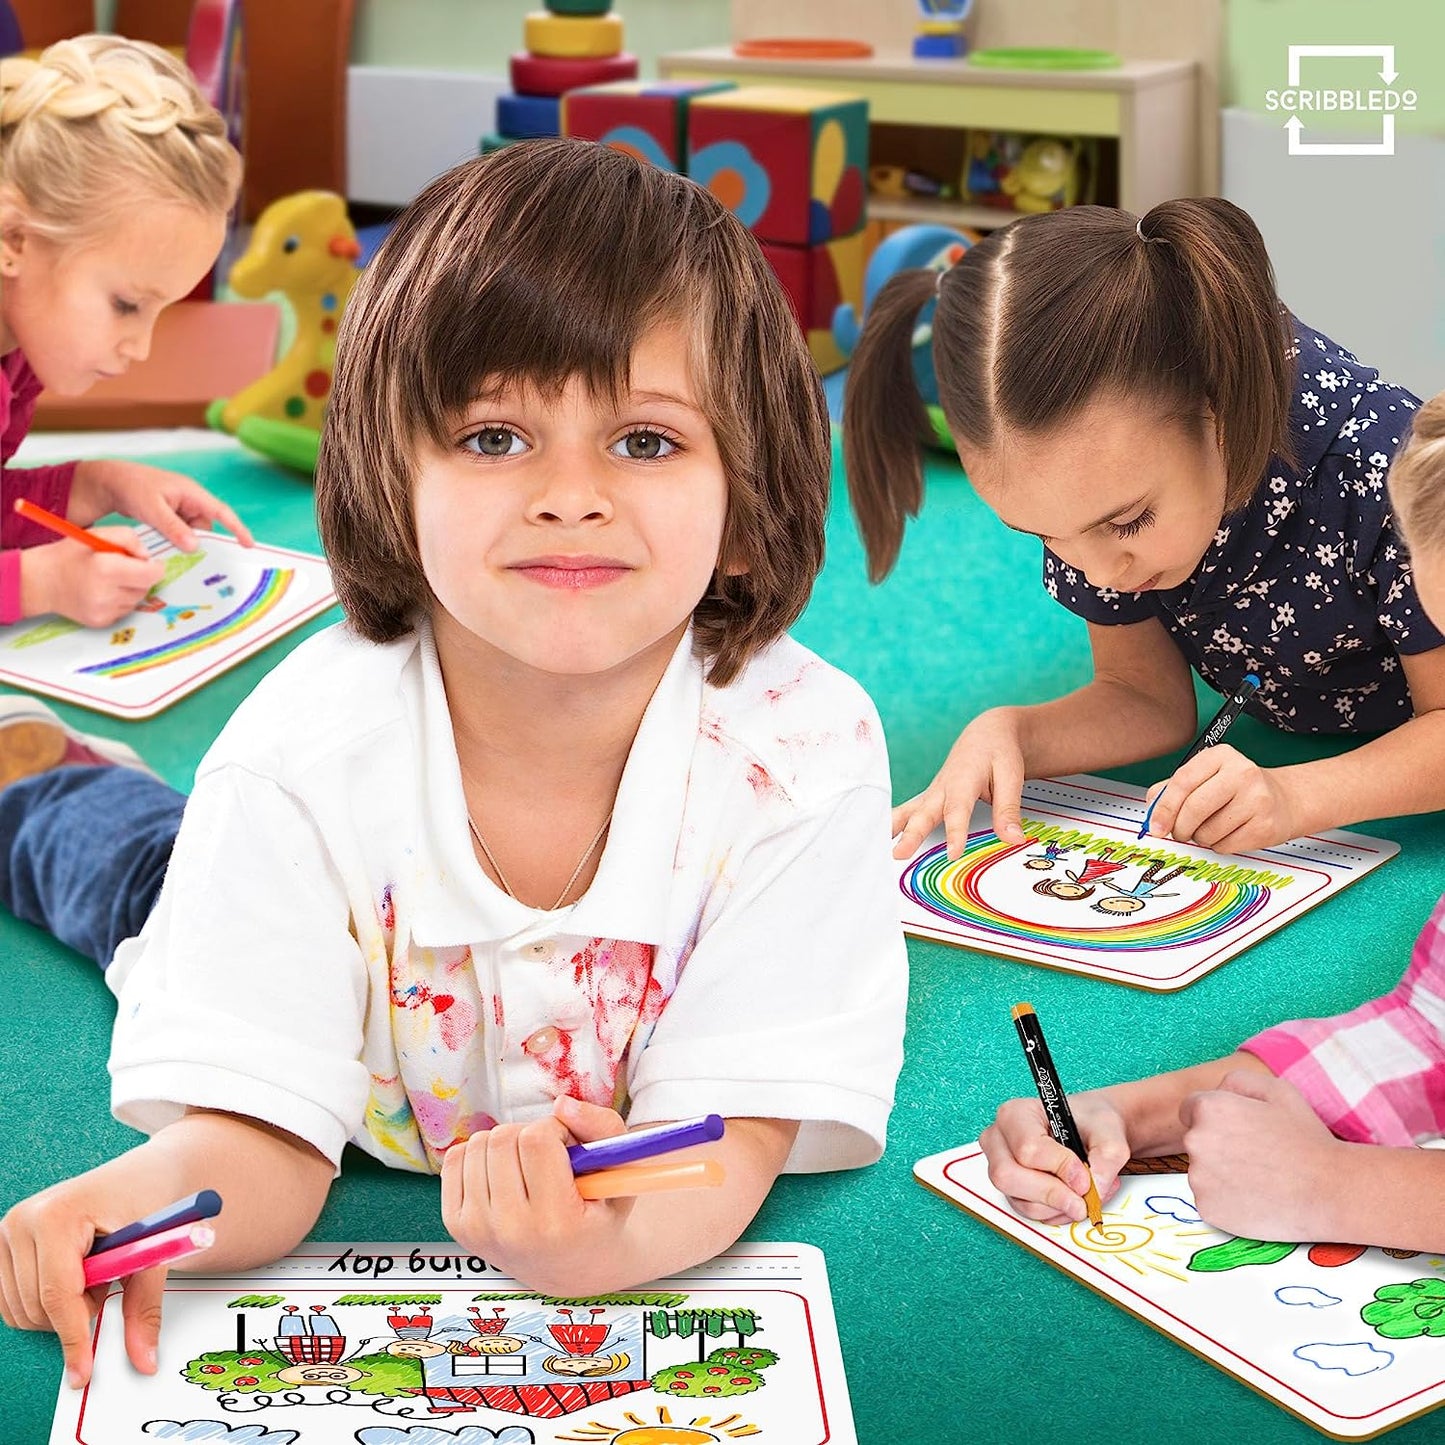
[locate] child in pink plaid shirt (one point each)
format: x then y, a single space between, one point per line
1309 1131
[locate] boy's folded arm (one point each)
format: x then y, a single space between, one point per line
272 1184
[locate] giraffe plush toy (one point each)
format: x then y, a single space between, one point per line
305 247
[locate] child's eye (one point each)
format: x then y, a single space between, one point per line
494 441
644 445
123 307
1134 525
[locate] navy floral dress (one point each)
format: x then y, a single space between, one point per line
1309 584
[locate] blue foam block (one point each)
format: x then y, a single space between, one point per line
525 117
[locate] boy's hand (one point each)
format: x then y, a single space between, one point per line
1043 1180
985 763
1261 1162
508 1194
43 1243
174 504
92 588
1221 800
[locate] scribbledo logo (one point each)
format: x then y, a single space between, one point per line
1367 100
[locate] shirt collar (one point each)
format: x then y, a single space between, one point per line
457 904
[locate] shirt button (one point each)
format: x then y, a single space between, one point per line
543 948
542 1041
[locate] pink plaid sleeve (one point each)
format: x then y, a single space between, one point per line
1375 1075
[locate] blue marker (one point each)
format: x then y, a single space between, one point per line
1214 733
205 1205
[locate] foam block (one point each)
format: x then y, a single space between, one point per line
817 280
527 117
789 163
647 118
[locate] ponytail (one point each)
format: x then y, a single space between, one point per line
885 423
1240 330
1417 480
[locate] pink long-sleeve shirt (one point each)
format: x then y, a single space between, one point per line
1375 1075
48 487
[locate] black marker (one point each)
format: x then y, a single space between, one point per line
1224 719
1051 1095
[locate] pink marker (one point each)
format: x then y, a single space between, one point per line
163 1248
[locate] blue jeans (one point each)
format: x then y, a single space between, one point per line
83 852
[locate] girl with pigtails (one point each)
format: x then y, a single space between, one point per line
1207 474
116 178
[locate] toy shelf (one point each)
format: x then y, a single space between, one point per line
1147 108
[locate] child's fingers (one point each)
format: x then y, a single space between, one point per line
1177 791
588 1122
212 510
922 818
12 1308
505 1184
1219 827
141 1311
1106 1159
1209 800
123 537
24 1257
453 1190
169 523
545 1169
1006 794
1028 1164
63 1300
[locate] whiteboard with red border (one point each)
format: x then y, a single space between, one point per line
1346 1339
420 1344
214 608
1085 894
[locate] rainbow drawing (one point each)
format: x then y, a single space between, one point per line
270 588
953 891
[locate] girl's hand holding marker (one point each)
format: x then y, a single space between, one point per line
1217 797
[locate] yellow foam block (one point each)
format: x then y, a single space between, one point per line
573 37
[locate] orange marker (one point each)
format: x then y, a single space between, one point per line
629 1179
29 510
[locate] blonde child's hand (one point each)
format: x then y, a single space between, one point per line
1043 1180
1221 800
1261 1163
174 504
987 763
508 1194
43 1243
89 587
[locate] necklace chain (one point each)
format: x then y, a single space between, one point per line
566 887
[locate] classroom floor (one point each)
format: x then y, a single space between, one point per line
950 1333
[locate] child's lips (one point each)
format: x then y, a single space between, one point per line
573 574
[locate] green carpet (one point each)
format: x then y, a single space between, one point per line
950 1333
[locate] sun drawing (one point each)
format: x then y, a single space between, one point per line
1136 1244
638 1431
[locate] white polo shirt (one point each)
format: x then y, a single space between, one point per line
328 956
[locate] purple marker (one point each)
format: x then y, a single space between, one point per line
644 1143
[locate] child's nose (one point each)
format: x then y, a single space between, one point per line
137 345
570 491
